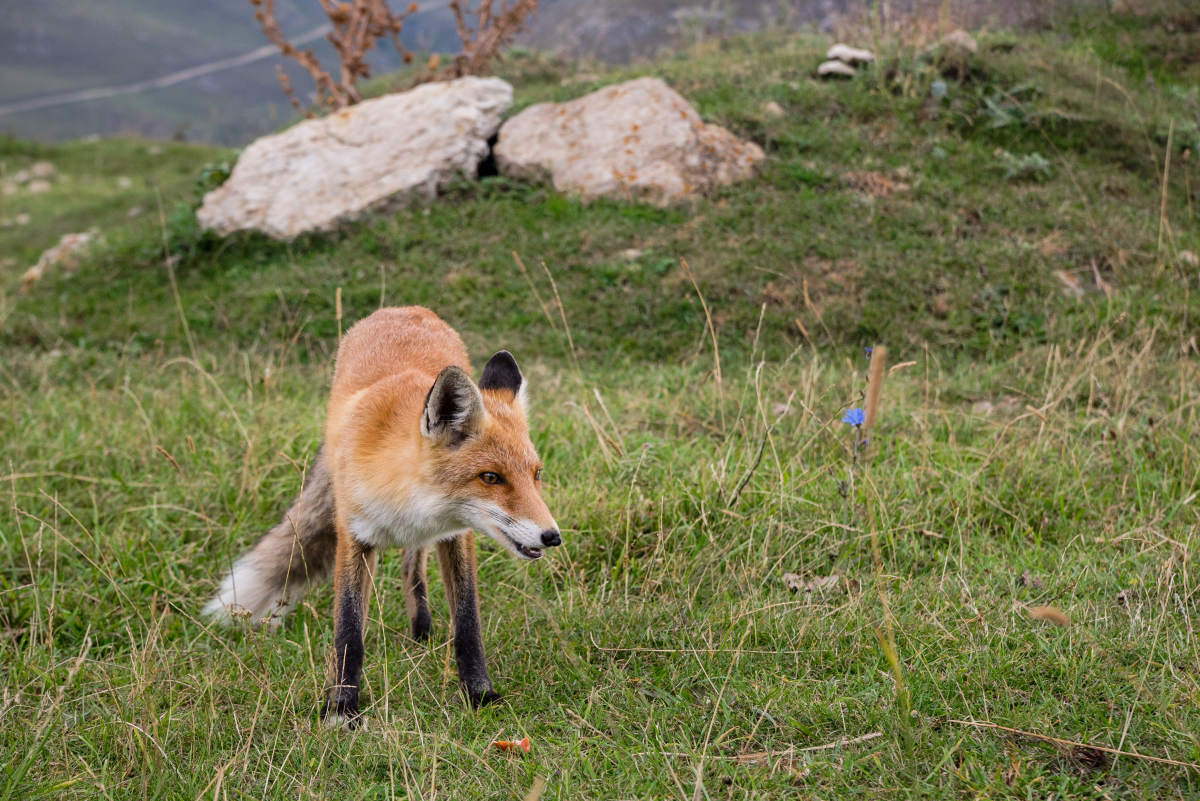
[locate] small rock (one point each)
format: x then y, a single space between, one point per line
38 187
1027 579
154 150
23 218
43 169
960 42
65 253
875 184
1189 258
780 409
938 89
836 69
954 49
638 140
849 55
631 254
1071 286
819 584
124 182
773 109
22 176
134 211
983 407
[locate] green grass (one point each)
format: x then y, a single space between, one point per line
661 643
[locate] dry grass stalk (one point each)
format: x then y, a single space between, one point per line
716 350
875 384
357 26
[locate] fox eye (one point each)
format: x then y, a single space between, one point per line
537 474
491 478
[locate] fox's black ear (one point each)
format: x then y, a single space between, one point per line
502 372
453 408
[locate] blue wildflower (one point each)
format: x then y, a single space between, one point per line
855 417
869 351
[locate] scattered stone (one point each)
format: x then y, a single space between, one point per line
875 184
66 253
836 69
134 211
631 254
124 182
23 218
43 169
374 155
22 176
953 50
154 150
960 43
773 109
849 55
39 186
1072 287
819 584
1027 579
1005 404
1189 258
638 140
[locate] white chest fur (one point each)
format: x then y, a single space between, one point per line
418 521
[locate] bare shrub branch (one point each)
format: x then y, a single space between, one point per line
357 26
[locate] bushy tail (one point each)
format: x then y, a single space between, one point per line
270 579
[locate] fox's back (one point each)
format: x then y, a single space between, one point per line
396 340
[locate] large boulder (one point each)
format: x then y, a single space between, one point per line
370 156
637 140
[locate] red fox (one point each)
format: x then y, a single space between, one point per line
415 455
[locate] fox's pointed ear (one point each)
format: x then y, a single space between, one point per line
502 372
453 409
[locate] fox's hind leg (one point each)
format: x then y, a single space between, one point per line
457 558
352 593
416 592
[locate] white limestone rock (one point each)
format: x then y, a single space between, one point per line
367 157
638 140
836 69
849 55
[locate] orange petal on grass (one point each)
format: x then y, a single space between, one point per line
512 745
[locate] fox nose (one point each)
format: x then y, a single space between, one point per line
550 538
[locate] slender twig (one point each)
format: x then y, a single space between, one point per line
1072 743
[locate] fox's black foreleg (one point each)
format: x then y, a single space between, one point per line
416 593
457 559
352 592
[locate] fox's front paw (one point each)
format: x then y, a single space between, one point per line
342 713
485 698
422 628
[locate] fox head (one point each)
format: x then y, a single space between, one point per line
482 457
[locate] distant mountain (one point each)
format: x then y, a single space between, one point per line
56 46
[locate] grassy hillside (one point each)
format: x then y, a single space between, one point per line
1015 247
